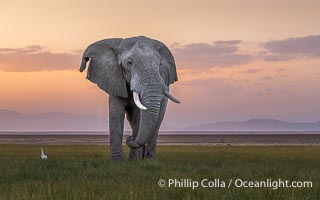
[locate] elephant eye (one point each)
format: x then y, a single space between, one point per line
129 62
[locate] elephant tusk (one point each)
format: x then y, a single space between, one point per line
137 101
172 98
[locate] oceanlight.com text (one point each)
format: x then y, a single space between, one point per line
238 183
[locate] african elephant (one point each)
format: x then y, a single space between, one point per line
136 73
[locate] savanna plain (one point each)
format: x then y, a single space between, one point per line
85 172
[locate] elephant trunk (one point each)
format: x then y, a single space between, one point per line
151 95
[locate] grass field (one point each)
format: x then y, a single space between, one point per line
84 172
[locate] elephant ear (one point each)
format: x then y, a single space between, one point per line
168 67
104 69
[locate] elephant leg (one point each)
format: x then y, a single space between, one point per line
116 123
150 151
133 116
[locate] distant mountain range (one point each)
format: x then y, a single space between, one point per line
55 121
58 121
52 121
258 125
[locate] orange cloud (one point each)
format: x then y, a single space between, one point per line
196 56
35 58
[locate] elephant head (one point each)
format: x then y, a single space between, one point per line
138 67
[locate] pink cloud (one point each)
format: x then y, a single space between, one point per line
291 48
203 55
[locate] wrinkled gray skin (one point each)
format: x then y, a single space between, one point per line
121 67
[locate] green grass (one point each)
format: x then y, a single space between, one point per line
84 172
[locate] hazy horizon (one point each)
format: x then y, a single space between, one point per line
59 121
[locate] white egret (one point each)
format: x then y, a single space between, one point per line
43 156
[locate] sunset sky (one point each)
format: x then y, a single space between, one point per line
236 59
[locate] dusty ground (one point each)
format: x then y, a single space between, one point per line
191 138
